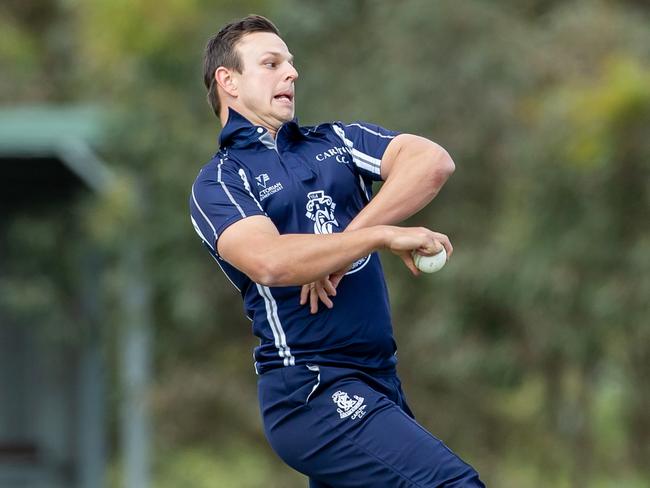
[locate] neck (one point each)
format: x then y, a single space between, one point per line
223 117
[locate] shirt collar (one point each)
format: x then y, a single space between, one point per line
239 131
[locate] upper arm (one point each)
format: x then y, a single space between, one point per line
243 244
414 146
220 197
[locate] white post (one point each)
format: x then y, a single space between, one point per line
135 359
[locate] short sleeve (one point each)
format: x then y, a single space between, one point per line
367 144
221 196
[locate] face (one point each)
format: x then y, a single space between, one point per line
264 91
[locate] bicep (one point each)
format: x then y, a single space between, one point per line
243 243
218 201
401 144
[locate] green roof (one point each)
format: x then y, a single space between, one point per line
65 132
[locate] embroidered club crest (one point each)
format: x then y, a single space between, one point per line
320 209
349 407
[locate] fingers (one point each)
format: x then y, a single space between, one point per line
335 279
446 243
430 248
304 294
439 242
322 294
420 239
313 299
407 257
317 291
329 287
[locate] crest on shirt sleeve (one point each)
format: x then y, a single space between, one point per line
320 209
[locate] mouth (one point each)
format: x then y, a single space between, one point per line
284 97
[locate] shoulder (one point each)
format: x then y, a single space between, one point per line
366 128
352 130
332 124
220 163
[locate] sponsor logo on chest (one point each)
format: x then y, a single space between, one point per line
267 189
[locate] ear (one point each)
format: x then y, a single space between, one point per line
225 79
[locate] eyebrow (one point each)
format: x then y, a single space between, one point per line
277 53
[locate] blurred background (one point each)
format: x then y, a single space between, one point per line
125 357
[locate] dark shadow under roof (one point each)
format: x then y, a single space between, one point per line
50 147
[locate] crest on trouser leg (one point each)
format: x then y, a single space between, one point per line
349 407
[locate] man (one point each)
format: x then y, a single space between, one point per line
286 211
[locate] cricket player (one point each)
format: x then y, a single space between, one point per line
287 212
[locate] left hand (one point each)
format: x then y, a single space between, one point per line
322 290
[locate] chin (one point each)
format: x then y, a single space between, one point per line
281 114
286 117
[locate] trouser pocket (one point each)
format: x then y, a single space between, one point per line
314 369
301 383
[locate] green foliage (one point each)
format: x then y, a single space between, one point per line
528 353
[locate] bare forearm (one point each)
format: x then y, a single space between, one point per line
415 180
294 259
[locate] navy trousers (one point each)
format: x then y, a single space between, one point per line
345 428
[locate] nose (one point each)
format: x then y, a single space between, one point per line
292 72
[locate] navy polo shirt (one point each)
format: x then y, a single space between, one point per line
306 180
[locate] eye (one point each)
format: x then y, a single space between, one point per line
270 64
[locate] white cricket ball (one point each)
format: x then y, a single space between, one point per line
430 264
